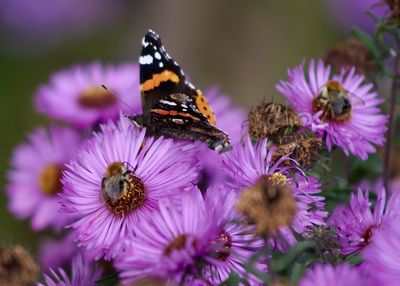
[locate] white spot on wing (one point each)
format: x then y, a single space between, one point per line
160 64
168 102
177 120
144 43
157 55
191 85
146 60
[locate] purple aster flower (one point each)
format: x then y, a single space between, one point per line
115 182
57 253
34 178
76 95
328 275
357 222
210 162
229 118
171 241
246 163
364 125
84 273
235 243
60 20
382 261
348 13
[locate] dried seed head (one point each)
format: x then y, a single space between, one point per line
151 281
269 204
17 266
350 53
281 281
271 119
394 6
303 146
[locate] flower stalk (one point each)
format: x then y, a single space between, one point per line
392 117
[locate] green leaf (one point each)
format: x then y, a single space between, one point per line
297 272
368 42
234 280
110 280
354 259
362 169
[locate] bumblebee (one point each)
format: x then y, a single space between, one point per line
116 182
335 102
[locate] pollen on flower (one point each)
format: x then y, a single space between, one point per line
134 198
224 244
96 97
179 242
50 179
366 237
269 204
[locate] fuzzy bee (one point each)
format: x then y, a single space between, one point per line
335 102
116 182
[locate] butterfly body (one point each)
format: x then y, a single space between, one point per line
173 107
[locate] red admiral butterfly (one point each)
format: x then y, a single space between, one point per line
172 106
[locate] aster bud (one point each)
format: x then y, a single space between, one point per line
324 236
16 266
350 53
271 119
269 204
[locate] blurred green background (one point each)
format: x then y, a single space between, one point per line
243 46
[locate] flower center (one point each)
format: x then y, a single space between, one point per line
367 236
278 179
224 242
132 197
334 102
50 179
178 243
96 97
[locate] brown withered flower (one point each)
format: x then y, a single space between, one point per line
394 6
281 281
302 145
17 267
271 120
350 53
150 281
268 205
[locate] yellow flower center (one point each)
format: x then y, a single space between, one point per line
49 179
96 97
178 243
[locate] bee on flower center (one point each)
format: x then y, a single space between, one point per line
335 102
122 191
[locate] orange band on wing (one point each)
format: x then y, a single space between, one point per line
158 78
203 107
174 113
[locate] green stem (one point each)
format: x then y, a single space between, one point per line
392 118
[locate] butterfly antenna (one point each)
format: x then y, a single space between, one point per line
117 98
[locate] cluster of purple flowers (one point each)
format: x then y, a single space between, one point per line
172 223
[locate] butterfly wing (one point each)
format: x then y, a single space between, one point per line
161 76
177 116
